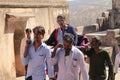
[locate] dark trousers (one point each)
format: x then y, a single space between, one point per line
26 72
97 78
56 70
26 69
29 78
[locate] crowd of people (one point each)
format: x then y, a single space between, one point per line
66 59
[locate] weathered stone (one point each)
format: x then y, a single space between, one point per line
115 14
100 22
87 29
103 21
15 16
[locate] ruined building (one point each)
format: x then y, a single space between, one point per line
15 16
107 27
115 14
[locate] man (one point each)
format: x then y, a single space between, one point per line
35 55
117 62
57 35
98 58
70 60
23 42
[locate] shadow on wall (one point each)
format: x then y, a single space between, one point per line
18 35
16 25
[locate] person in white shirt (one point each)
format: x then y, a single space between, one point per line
117 62
70 60
35 55
23 43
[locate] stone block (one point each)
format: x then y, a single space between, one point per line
105 14
7 60
87 29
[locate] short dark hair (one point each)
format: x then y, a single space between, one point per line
28 30
61 15
68 37
97 40
39 30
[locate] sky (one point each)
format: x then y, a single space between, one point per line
71 0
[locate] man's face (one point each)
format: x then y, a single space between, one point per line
67 46
38 37
94 44
60 21
28 34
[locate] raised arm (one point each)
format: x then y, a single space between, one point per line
51 40
25 56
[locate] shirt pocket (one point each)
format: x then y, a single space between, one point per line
41 59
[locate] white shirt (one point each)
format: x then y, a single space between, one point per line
36 62
117 63
75 64
60 35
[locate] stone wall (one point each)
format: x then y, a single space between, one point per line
87 29
15 16
103 21
7 59
115 14
32 3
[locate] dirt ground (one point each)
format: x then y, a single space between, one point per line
117 77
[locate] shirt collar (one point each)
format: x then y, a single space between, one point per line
72 49
65 27
42 44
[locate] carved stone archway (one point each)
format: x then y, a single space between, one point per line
16 23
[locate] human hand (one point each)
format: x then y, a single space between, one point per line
58 46
28 41
55 48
